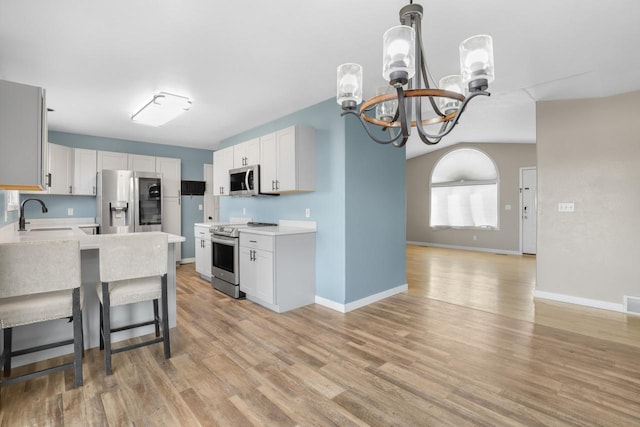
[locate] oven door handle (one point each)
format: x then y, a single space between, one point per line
231 241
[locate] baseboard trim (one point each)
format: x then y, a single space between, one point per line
594 303
466 248
354 305
187 260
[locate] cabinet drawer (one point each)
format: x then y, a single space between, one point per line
256 241
202 232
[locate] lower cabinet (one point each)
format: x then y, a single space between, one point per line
203 251
278 271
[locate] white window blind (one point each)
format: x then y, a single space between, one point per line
464 191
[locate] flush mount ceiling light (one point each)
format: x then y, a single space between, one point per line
163 108
398 109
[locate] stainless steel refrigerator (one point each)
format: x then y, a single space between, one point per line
128 202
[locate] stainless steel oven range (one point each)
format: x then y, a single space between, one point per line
225 257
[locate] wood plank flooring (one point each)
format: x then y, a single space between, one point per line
409 360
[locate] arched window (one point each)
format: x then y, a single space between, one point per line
464 191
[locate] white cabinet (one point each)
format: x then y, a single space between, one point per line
112 160
24 159
288 161
170 170
172 221
203 251
61 169
222 162
211 207
140 163
246 153
84 171
278 271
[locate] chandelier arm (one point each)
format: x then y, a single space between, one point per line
423 70
405 120
450 124
379 141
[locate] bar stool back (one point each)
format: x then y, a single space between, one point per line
133 268
40 281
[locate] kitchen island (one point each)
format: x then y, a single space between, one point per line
56 330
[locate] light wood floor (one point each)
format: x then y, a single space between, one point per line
409 360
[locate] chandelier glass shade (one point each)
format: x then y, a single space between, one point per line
399 107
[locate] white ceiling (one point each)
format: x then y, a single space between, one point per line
247 63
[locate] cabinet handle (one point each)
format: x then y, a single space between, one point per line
253 241
277 184
70 189
49 180
179 197
94 189
273 185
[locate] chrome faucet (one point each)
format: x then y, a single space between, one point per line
22 222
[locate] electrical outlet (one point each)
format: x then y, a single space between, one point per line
70 211
244 211
199 207
307 213
507 207
475 237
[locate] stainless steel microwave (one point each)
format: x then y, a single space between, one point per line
244 181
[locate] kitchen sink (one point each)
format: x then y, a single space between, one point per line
50 229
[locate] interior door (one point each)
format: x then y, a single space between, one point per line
529 209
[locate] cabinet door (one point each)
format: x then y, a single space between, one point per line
287 168
269 163
112 160
264 274
210 211
170 170
200 260
60 166
24 162
84 171
247 153
248 274
140 163
222 162
171 221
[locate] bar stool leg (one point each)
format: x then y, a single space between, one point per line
77 337
7 349
156 319
165 318
101 328
106 321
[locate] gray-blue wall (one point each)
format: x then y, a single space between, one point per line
192 168
358 205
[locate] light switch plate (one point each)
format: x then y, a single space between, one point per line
566 207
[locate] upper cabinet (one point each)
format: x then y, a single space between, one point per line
60 169
170 170
84 172
24 156
246 153
223 161
140 163
288 161
112 160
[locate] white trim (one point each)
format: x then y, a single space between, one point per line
187 260
604 305
354 305
465 248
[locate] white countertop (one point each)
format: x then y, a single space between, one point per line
279 230
87 241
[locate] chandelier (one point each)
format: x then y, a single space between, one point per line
396 109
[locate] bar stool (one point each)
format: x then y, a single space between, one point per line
133 268
40 281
